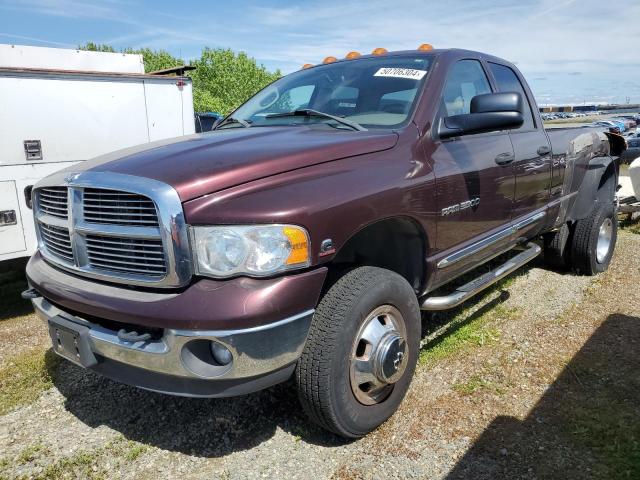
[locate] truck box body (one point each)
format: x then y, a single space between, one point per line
68 106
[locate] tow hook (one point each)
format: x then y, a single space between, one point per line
133 336
30 294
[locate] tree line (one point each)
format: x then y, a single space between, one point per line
222 79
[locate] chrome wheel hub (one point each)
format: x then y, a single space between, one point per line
379 355
604 240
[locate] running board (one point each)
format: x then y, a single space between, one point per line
477 285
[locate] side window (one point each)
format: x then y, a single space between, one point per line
466 80
508 81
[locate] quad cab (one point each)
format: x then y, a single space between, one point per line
304 235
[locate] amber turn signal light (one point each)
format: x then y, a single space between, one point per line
299 245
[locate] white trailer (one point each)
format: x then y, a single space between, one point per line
58 107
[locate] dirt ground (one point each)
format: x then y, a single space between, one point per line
539 378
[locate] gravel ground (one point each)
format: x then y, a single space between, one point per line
483 413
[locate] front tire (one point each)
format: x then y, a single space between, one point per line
594 240
361 352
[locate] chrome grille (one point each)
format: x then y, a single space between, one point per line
53 201
57 241
115 227
141 256
118 208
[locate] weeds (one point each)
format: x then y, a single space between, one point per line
26 377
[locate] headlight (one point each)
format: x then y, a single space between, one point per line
255 250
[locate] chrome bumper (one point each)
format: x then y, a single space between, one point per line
255 351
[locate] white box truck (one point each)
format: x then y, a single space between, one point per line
60 106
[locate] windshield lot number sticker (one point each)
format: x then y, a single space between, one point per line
400 73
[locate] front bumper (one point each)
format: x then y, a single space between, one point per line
177 362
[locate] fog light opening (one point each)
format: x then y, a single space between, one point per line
221 354
206 358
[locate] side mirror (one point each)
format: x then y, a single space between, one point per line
489 112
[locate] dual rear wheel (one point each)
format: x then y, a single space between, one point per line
587 246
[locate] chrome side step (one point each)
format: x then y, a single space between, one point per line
477 285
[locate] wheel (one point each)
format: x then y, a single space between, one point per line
361 352
557 247
594 240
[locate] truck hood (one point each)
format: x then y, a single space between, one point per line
197 165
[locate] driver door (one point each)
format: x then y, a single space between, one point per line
474 193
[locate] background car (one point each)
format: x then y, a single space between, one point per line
612 126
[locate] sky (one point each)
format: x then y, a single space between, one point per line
570 51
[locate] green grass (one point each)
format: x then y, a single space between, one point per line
82 464
600 412
126 449
468 326
30 453
631 226
571 120
477 383
26 377
466 330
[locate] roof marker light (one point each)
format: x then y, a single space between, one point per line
379 51
425 47
329 60
352 55
307 65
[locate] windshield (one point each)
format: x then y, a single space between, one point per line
371 92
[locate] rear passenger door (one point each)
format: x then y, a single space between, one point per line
532 150
474 193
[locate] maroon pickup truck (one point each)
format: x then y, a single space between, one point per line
304 236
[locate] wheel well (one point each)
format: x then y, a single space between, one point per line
397 244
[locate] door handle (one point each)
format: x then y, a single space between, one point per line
505 158
544 150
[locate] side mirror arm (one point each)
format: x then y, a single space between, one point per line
449 127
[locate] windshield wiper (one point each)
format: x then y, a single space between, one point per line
308 112
230 120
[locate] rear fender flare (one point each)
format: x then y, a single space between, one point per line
598 186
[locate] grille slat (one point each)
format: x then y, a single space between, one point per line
53 201
155 256
57 242
55 234
122 242
116 214
143 271
142 256
141 248
118 208
111 261
120 221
